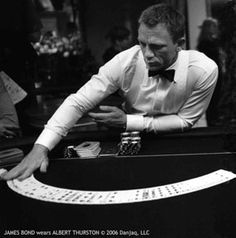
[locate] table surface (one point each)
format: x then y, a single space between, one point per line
198 140
223 135
162 160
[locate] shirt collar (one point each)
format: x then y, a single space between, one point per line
174 66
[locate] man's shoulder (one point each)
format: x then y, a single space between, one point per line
131 51
200 60
130 56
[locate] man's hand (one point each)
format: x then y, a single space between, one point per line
112 116
37 158
8 131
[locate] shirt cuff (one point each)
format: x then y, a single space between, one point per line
134 123
48 138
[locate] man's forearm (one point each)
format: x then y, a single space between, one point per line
157 124
166 123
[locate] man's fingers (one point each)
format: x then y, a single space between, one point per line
37 158
113 116
110 111
99 115
13 173
44 166
107 108
27 173
2 174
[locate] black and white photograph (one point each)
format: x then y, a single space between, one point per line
118 118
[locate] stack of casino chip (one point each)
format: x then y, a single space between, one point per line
70 152
130 143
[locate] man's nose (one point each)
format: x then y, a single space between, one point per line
148 53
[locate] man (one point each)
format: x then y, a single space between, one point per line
120 39
152 102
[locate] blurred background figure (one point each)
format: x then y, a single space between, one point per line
208 41
227 19
9 124
120 39
10 94
19 27
209 44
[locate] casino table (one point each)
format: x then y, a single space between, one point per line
163 159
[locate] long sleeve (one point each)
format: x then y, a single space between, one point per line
74 106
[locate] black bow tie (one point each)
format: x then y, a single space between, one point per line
168 74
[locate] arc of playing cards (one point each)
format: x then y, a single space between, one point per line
32 188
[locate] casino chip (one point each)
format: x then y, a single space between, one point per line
70 152
130 143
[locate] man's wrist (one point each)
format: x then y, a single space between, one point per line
48 138
135 122
40 148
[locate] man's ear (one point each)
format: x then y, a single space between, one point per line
180 42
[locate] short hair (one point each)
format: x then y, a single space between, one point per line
118 33
163 13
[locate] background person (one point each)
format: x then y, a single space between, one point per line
19 27
209 44
9 123
120 39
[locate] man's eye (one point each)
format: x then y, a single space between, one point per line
157 47
142 44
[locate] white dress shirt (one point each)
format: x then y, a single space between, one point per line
151 103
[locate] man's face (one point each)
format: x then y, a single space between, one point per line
157 46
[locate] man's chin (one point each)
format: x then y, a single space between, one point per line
153 68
